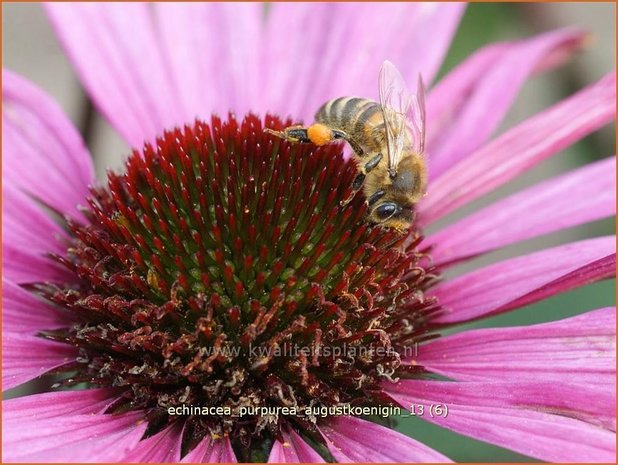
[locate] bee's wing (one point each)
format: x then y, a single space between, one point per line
415 118
402 112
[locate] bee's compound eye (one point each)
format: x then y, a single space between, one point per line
387 209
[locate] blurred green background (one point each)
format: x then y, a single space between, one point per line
31 49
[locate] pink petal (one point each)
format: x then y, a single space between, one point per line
163 447
211 450
526 279
24 313
28 235
22 266
25 224
114 48
293 449
583 195
449 96
42 152
353 440
71 438
213 51
493 93
328 50
581 348
539 419
26 357
521 148
58 404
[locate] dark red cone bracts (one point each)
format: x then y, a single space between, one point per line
220 270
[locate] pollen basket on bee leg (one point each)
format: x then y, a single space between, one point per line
319 134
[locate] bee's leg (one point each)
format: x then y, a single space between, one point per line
371 164
298 134
291 134
337 134
318 134
360 177
356 186
375 197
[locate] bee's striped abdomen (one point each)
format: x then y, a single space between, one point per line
357 117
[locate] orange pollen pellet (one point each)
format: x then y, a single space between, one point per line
319 134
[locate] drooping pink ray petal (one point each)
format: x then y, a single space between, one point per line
580 348
521 148
28 235
583 195
351 439
115 50
26 357
493 93
330 49
43 155
604 268
545 420
22 266
24 313
71 438
163 447
59 404
522 280
26 225
211 450
293 449
213 51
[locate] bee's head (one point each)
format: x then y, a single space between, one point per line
391 214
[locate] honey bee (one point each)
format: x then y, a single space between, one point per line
387 138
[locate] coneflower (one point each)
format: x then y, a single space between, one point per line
219 270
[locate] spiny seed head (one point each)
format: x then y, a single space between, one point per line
221 270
